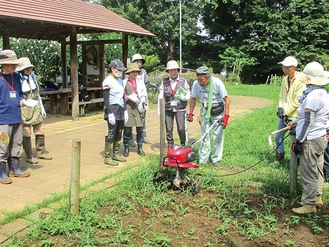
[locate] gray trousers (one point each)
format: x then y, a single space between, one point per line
181 126
15 133
311 169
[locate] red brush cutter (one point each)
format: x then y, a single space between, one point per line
182 158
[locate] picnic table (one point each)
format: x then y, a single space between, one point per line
64 95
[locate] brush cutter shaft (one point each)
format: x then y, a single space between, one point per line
269 139
218 121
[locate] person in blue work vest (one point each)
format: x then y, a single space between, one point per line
176 92
211 92
11 130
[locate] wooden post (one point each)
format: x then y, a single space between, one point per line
5 38
124 48
75 177
74 74
293 170
162 131
63 69
101 64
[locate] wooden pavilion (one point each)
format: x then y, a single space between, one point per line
57 20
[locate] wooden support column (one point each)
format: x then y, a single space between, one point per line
5 39
74 74
64 69
101 64
124 48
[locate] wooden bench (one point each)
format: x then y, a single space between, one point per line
82 105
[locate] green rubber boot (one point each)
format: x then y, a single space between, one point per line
108 150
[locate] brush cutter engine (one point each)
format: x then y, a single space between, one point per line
181 158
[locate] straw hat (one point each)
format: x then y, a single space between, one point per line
137 57
314 74
8 57
172 64
132 67
24 64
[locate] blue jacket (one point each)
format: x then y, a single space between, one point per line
10 110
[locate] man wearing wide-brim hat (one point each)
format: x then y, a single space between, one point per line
10 117
311 141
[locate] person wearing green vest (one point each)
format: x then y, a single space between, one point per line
211 92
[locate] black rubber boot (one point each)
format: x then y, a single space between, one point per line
4 179
15 171
108 150
280 158
140 150
41 148
116 155
126 151
27 146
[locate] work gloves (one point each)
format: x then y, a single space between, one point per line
111 118
280 112
126 116
225 120
133 97
190 117
297 147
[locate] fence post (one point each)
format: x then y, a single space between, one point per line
75 177
162 130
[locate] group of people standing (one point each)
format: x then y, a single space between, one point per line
126 104
21 112
304 108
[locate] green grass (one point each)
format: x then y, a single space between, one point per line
246 203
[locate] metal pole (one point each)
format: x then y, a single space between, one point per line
180 36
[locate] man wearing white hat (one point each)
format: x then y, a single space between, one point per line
291 90
311 140
176 92
33 116
10 117
139 60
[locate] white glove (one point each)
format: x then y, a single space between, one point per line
133 98
126 116
111 118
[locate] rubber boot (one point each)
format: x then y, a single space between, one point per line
27 146
140 150
108 150
132 143
116 155
4 179
15 171
41 149
306 209
126 151
280 158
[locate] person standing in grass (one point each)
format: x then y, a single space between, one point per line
212 93
176 92
291 90
311 141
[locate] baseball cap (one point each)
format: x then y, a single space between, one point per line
202 71
116 63
289 61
